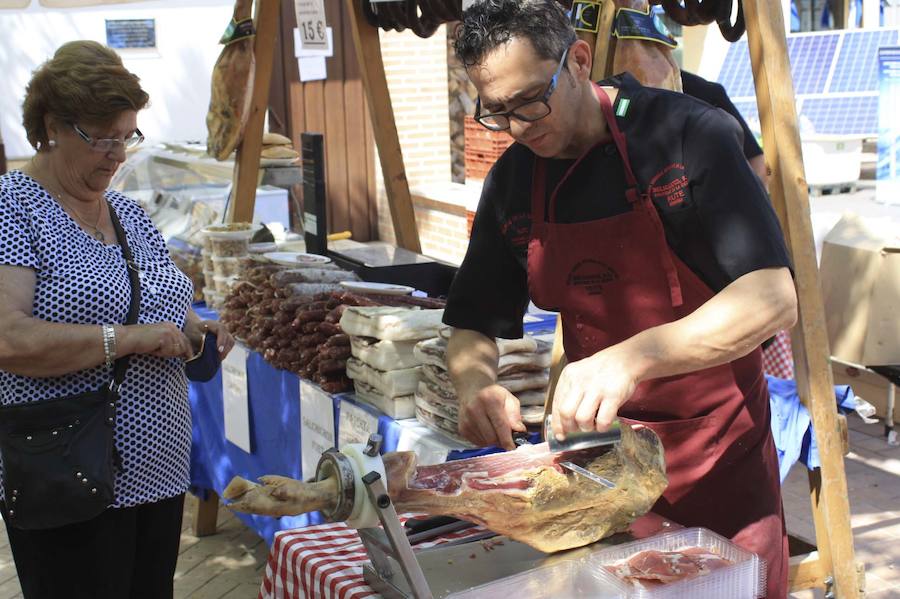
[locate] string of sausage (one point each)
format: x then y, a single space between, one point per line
423 17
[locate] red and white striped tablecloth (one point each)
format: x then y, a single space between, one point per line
325 562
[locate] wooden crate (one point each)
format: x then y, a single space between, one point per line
483 148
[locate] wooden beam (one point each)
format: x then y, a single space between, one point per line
788 188
805 572
605 45
246 162
368 53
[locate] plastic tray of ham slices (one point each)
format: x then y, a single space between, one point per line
565 579
691 562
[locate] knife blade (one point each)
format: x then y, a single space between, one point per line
576 441
588 474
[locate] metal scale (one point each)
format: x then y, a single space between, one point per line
398 572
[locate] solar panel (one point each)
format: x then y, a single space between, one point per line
736 75
811 57
835 77
853 115
857 66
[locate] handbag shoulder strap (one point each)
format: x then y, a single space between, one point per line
121 364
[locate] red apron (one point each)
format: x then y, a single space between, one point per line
615 277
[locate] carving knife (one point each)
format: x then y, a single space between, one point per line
576 441
588 474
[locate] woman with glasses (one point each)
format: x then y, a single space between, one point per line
64 296
633 212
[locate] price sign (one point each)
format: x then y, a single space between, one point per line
311 23
235 399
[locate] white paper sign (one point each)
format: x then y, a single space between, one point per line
355 424
302 52
311 23
312 68
316 426
235 399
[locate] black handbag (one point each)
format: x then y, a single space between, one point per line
59 455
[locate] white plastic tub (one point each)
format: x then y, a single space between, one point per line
831 159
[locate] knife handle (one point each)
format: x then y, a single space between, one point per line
615 427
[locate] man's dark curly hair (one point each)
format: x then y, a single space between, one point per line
488 24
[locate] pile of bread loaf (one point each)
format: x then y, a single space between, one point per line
278 147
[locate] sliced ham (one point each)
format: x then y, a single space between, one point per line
654 567
391 323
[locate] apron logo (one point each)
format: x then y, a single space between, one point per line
669 186
622 108
517 230
591 275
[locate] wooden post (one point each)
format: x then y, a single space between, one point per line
368 53
788 188
206 514
605 46
246 161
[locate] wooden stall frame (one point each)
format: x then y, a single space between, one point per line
833 565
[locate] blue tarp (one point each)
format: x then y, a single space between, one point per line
792 425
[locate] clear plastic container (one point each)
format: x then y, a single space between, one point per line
226 267
213 299
263 248
207 260
230 241
587 576
745 578
223 284
207 243
209 281
230 248
566 579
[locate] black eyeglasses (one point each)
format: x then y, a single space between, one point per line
533 110
107 145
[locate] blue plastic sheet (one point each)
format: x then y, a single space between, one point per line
792 424
274 407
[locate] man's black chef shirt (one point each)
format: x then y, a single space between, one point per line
714 94
688 154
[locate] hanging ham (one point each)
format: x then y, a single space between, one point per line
232 85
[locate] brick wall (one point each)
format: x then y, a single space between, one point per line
417 74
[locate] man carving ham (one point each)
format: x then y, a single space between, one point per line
650 189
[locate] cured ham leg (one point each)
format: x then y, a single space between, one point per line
232 85
523 494
651 63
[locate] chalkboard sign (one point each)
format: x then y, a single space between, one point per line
131 33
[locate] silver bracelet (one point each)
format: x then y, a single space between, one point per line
109 344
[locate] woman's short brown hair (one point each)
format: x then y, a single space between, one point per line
84 82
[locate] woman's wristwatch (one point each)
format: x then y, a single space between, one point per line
109 344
